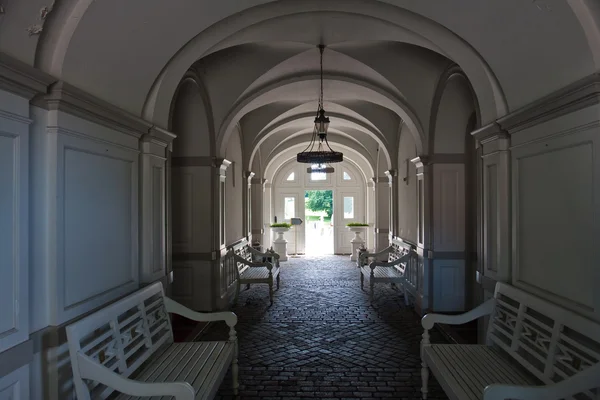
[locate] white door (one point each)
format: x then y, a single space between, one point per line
347 207
288 206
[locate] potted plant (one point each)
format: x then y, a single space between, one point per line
280 228
357 228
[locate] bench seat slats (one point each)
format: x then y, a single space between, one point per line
468 369
197 363
258 273
387 273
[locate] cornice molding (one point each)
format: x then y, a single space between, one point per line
580 94
420 162
65 97
249 175
159 136
22 79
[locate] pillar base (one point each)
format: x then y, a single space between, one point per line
280 248
355 246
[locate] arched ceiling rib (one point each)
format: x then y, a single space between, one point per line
280 159
304 88
257 55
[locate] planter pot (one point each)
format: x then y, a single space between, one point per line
280 244
357 242
357 231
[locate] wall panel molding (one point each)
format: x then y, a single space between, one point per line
14 229
22 79
542 185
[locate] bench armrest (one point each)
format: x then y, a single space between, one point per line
585 380
486 308
399 261
267 254
251 264
379 253
88 369
174 307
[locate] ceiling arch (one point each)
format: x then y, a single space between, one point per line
304 87
303 123
87 44
335 138
454 47
289 154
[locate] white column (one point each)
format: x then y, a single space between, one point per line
382 208
423 232
248 205
392 176
496 199
153 147
371 215
218 190
256 222
267 212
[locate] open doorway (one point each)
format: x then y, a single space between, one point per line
318 212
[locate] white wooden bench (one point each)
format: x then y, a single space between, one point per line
535 350
392 271
254 267
128 348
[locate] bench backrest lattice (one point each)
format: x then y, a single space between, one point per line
120 337
549 341
409 268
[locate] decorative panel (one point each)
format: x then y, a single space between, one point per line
556 220
182 280
97 203
491 216
158 220
14 221
97 224
15 386
448 285
9 235
449 207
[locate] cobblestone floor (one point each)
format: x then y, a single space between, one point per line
322 339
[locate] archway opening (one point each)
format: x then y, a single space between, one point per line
318 227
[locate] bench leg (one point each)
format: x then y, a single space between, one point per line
237 292
424 369
278 280
372 285
362 281
235 372
271 292
405 293
247 286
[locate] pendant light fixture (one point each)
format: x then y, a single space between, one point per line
318 150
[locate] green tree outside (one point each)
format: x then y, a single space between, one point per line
320 200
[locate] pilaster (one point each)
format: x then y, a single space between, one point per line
248 204
494 146
423 170
392 176
153 207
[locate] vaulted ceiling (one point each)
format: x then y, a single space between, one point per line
259 64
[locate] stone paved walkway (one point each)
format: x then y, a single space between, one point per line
321 338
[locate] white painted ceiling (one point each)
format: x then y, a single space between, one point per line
259 62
